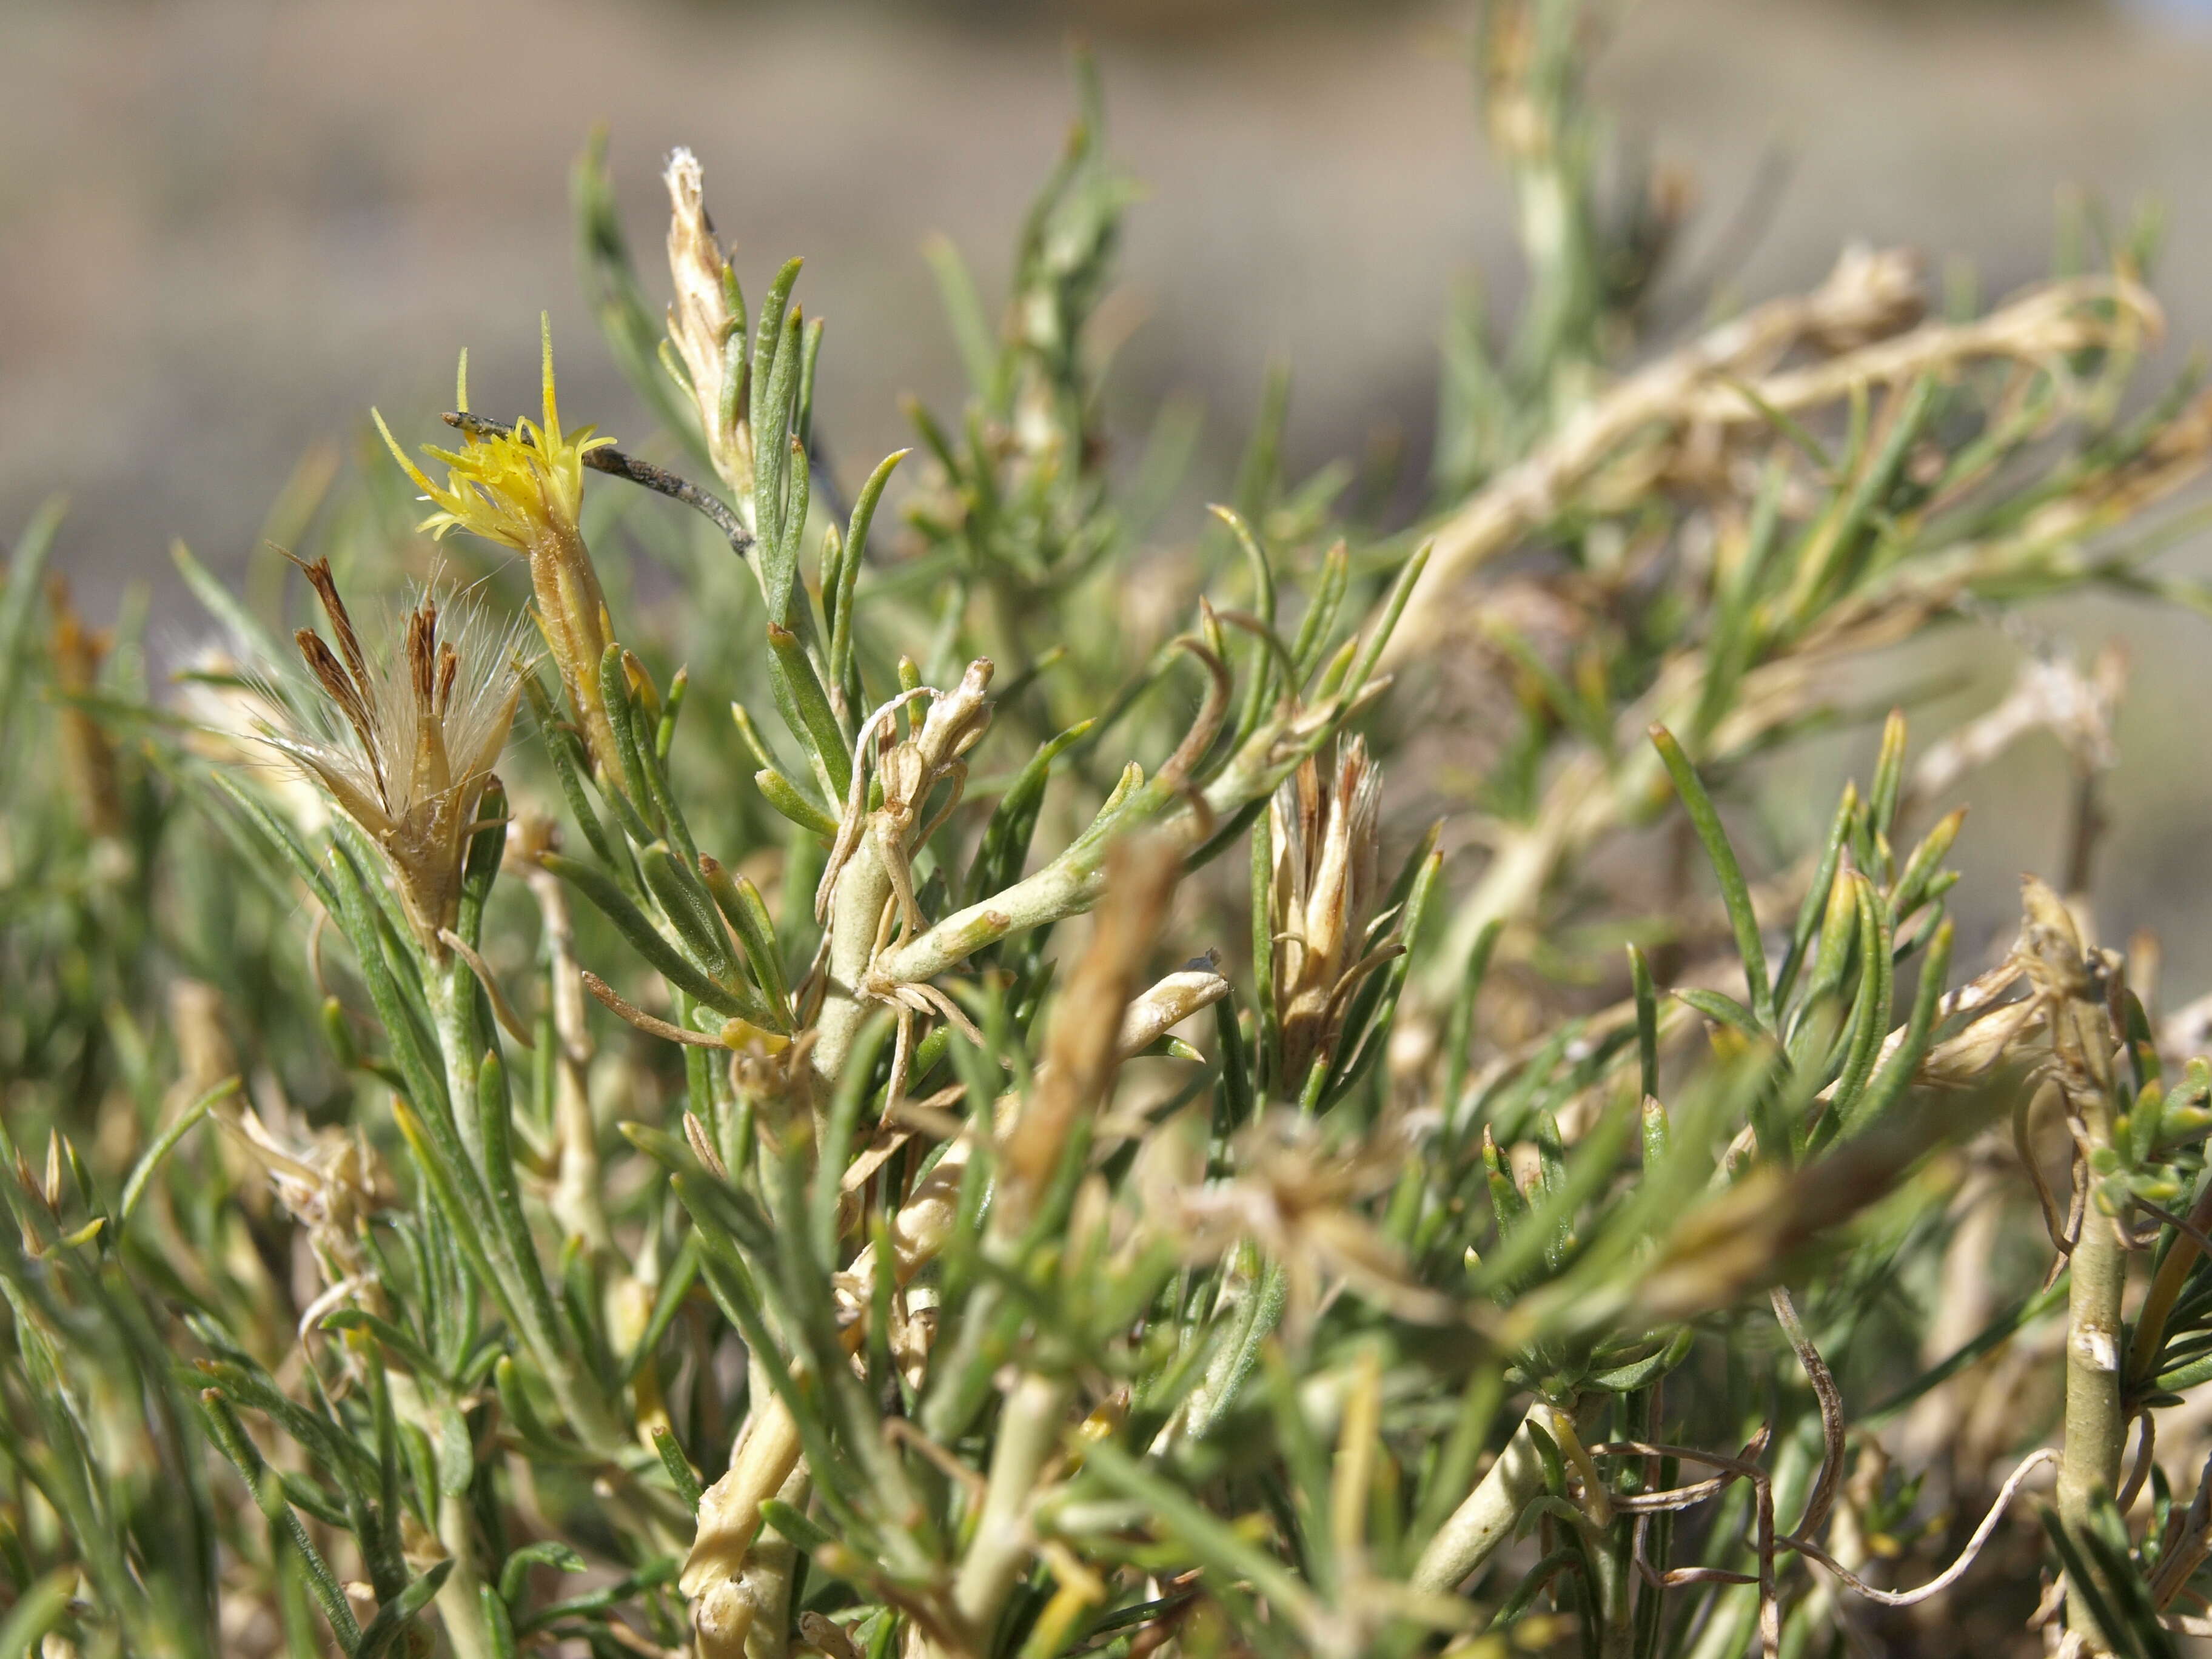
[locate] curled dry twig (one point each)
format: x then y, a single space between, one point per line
1742 1468
1831 1413
1703 384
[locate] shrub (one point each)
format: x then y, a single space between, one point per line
1619 1235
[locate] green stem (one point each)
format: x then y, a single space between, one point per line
2095 1428
522 1286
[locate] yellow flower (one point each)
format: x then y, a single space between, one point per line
523 488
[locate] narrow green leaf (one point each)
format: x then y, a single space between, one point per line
827 1199
690 909
1889 774
963 309
1321 611
1735 893
1723 1010
515 1572
793 1524
134 1188
38 1609
803 702
394 1616
742 906
680 1472
1890 1082
1394 606
1459 1025
1811 908
665 959
499 1625
1004 849
1647 1025
780 793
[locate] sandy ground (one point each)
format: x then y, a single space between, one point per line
228 227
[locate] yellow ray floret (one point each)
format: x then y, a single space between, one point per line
518 489
523 489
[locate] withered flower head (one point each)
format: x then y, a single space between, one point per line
330 1187
90 757
1322 901
407 739
704 320
1299 1193
523 488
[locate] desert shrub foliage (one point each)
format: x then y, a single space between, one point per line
683 1043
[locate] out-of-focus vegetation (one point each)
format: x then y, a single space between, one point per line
723 1054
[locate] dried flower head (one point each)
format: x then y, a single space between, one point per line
523 488
706 316
406 739
88 754
330 1187
228 708
1322 901
1298 1192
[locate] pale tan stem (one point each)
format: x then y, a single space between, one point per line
766 1580
460 1598
2068 982
576 1202
1029 1435
1078 1066
767 1449
1485 1519
856 909
729 1522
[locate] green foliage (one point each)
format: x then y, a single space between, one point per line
970 1213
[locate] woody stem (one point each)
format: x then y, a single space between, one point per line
856 910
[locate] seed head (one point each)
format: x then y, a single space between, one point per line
330 1186
404 741
1322 900
1300 1192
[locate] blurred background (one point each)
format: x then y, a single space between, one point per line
228 227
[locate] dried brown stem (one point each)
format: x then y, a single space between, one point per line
648 1024
1832 1413
502 1008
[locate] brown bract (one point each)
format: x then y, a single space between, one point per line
1322 899
87 752
418 733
